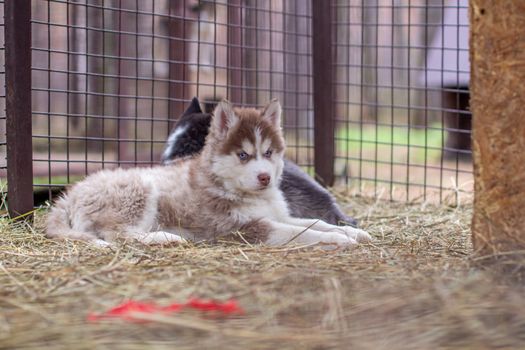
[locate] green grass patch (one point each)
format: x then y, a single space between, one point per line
56 180
421 141
44 180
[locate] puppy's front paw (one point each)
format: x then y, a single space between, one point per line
100 243
336 240
357 234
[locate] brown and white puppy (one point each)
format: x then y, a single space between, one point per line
232 185
304 196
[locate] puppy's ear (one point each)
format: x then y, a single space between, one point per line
224 118
272 112
194 107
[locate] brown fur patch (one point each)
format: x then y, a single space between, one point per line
249 120
255 232
197 215
167 213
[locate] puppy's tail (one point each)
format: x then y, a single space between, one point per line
58 224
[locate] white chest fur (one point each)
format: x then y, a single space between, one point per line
270 205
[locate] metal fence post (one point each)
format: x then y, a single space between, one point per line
324 123
18 106
179 32
234 51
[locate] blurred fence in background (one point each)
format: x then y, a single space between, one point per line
401 94
110 78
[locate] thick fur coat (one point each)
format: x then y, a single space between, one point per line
232 185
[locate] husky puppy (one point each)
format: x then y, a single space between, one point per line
232 185
305 197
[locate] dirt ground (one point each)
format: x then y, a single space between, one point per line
416 286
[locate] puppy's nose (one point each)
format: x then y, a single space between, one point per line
264 179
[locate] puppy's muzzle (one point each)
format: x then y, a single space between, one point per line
264 179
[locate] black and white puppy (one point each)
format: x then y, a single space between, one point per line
305 197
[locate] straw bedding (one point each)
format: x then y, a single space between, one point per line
414 287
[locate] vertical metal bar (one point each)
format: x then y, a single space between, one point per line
69 22
443 125
348 93
294 60
120 128
309 89
257 47
322 90
392 87
18 106
234 51
250 54
426 104
49 101
270 44
136 78
86 86
126 56
376 97
74 68
409 101
178 58
458 106
215 9
103 88
152 124
94 92
362 99
198 68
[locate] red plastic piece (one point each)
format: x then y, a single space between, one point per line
126 310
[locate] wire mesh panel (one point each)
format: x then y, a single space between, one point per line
252 51
101 89
401 96
111 77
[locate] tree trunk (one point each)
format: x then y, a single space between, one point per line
497 52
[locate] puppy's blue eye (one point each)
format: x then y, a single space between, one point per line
243 155
268 153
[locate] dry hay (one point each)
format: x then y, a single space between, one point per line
413 288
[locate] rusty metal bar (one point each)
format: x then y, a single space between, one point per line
178 57
126 41
324 121
74 81
235 51
250 54
18 106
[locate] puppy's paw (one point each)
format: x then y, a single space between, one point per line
359 235
334 240
100 243
159 237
